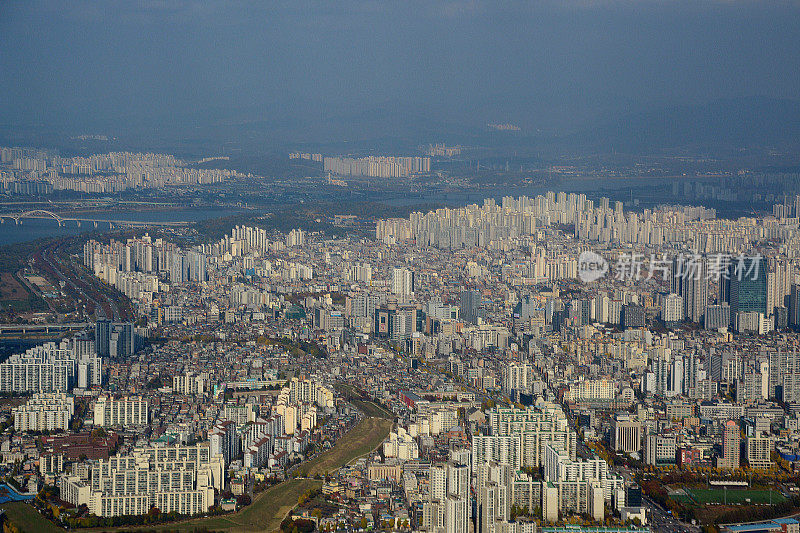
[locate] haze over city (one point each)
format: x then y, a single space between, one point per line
318 71
418 267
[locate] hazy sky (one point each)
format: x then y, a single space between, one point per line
543 63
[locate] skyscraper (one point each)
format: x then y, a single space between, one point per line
456 514
579 312
633 316
747 286
102 336
402 283
469 302
458 482
114 339
690 281
672 309
730 446
794 306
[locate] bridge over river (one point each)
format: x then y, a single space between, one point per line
17 218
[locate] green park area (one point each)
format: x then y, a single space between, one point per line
360 440
266 513
27 519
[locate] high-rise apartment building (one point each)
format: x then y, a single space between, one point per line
47 368
403 283
45 412
130 411
758 449
731 446
179 479
672 309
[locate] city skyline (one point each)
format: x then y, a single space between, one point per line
452 266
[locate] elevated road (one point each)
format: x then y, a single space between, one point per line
31 329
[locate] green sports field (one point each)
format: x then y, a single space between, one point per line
734 496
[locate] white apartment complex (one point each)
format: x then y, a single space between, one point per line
49 368
128 411
190 384
176 478
45 411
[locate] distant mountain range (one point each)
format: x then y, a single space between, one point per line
718 126
722 124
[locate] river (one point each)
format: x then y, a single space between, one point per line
36 228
